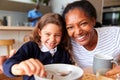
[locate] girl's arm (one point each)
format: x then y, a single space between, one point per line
29 67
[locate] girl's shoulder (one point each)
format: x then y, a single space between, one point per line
30 44
59 47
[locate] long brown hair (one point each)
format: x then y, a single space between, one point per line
55 19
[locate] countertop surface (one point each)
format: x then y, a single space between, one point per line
16 28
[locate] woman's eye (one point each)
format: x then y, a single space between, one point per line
58 35
70 28
83 24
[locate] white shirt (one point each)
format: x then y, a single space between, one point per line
108 44
45 49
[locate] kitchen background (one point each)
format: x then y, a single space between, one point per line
16 13
16 10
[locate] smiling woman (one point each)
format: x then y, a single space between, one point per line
80 18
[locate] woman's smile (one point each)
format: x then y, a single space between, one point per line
81 38
79 26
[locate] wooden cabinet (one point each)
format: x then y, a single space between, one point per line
108 3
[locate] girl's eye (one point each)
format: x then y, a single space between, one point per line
47 34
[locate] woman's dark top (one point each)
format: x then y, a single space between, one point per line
32 50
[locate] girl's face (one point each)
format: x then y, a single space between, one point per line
79 26
51 35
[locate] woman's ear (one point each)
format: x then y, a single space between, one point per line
93 21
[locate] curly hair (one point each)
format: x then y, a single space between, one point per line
84 5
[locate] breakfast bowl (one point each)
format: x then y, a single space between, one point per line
61 72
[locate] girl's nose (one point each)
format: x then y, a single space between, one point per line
52 38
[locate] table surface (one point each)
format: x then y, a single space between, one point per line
3 77
88 75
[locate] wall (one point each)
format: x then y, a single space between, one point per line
17 35
21 6
18 14
18 10
58 8
98 4
16 17
111 3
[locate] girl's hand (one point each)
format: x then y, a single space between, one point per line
29 67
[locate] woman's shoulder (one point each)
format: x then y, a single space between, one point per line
108 29
110 32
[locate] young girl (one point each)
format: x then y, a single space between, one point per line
50 45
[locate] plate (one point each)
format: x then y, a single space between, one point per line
62 72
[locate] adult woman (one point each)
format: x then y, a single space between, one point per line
80 17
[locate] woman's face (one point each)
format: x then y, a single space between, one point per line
51 35
79 26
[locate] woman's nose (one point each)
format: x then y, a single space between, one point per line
78 30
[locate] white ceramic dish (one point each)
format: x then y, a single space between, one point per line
62 72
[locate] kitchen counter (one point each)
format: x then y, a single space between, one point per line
14 28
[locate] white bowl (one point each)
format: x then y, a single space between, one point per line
62 72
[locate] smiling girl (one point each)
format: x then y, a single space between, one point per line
50 45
